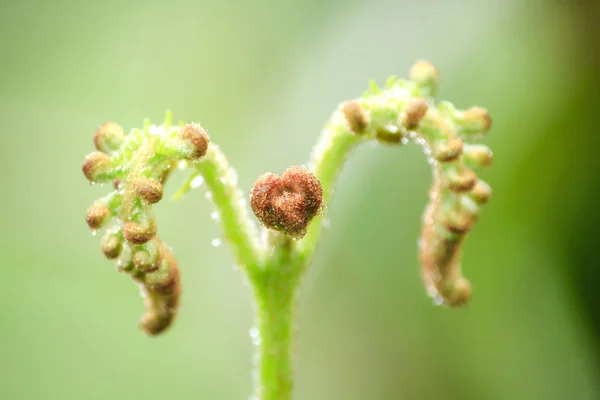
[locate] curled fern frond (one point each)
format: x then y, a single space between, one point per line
394 115
138 164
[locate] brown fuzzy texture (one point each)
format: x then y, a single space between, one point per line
478 117
423 73
463 181
162 301
287 203
111 246
458 222
449 151
440 254
149 190
355 116
94 163
144 262
481 192
137 233
96 216
108 136
198 137
414 113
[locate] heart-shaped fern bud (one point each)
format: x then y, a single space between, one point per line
289 202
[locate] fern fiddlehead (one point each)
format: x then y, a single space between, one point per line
289 207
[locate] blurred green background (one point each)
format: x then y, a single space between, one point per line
263 77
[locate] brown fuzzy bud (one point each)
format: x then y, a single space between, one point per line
287 203
458 222
460 180
111 246
414 113
149 190
425 75
475 120
459 294
147 259
139 233
109 137
481 192
97 215
449 150
94 165
162 291
198 137
478 155
355 116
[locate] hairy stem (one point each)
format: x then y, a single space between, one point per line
238 230
328 157
275 324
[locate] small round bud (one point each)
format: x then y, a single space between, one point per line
460 180
95 165
139 233
146 262
198 138
481 192
111 246
148 190
109 137
425 75
448 151
457 222
460 294
97 215
287 203
414 113
475 120
478 155
355 116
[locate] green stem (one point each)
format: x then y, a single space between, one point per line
239 231
275 322
275 292
329 155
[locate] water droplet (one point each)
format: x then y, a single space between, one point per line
326 223
94 232
404 140
438 300
215 216
197 182
233 178
182 164
216 242
255 336
391 128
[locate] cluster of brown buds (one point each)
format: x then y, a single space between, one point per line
137 165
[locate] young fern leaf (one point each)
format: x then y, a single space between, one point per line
139 164
289 207
404 111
